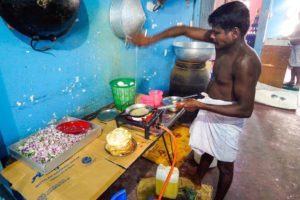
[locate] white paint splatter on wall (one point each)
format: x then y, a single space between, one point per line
77 79
165 52
19 103
31 98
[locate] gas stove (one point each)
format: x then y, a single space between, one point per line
150 124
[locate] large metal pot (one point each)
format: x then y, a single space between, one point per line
127 17
40 19
194 51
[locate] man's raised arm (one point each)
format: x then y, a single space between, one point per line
191 32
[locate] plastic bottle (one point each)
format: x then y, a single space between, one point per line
298 104
172 187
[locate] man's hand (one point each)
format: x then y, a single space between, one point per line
140 40
192 105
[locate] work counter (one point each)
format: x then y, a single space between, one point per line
86 175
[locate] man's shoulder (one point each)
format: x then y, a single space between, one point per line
247 60
248 54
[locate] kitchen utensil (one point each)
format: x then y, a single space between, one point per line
194 51
138 110
74 127
107 114
127 17
172 100
176 106
40 19
175 101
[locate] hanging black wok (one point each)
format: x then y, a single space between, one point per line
40 19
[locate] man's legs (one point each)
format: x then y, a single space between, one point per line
205 162
225 179
297 75
293 76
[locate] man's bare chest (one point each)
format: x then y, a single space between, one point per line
223 71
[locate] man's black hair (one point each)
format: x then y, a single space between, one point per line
230 15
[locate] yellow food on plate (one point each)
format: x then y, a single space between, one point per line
139 112
119 142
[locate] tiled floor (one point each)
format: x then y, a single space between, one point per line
267 167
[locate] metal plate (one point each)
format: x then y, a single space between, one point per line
107 114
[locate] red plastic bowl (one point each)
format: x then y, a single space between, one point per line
74 127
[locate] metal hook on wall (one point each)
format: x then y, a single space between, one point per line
158 4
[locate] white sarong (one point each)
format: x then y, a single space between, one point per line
294 60
216 134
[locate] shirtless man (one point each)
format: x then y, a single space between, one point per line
230 92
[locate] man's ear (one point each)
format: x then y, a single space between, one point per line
236 33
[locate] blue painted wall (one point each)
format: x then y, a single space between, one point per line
72 78
155 62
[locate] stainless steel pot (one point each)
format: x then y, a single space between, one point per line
194 51
127 17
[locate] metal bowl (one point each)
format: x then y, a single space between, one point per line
171 100
126 17
194 51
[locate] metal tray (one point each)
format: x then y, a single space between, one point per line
107 114
55 162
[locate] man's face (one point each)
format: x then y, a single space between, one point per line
221 38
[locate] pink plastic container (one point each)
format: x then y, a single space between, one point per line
148 100
157 96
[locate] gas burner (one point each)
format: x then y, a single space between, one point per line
145 119
150 122
145 122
